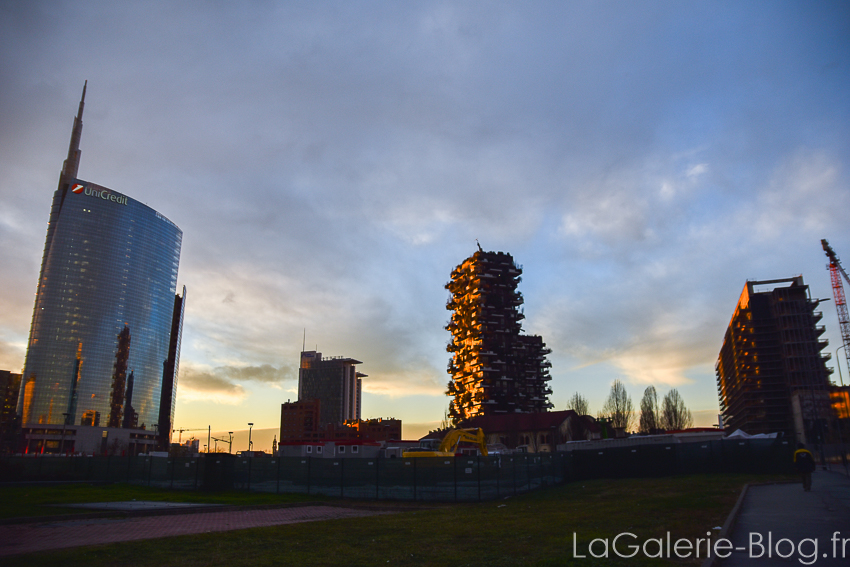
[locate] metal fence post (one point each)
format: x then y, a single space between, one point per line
414 479
377 477
250 462
540 474
455 471
478 466
308 474
277 489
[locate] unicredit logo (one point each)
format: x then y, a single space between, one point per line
105 195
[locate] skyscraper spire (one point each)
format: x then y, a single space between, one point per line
72 163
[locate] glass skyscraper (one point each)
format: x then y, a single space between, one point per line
105 337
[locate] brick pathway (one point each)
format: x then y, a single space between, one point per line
28 538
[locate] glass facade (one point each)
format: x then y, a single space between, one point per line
100 343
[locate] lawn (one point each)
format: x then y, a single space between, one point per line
532 529
45 500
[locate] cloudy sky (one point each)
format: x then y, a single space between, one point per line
330 162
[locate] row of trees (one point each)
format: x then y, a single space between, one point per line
670 414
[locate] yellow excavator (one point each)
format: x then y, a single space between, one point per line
449 445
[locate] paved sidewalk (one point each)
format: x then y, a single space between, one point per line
783 520
28 538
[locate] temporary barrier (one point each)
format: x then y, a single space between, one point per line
461 478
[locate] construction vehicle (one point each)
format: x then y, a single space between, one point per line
448 447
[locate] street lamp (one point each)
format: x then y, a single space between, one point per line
250 443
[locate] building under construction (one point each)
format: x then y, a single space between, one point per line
494 369
771 375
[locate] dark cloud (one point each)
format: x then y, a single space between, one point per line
226 384
266 373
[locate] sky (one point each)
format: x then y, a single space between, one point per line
330 163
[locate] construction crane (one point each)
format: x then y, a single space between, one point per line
180 437
838 292
228 441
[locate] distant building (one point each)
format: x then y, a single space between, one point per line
377 429
494 369
840 399
539 432
299 421
334 382
87 440
106 312
10 384
323 449
771 375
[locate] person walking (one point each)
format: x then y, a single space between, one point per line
804 462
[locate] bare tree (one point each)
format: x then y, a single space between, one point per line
648 411
578 403
618 407
446 423
674 414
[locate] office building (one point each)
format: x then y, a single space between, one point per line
299 421
771 375
105 333
334 382
494 368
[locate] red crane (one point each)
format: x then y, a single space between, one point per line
835 272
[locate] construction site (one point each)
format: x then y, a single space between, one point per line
772 373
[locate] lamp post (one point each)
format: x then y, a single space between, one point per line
250 443
230 443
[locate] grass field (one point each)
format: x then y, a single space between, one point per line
45 500
532 529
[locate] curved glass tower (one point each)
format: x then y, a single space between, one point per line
105 334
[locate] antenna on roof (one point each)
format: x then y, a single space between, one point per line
479 246
304 340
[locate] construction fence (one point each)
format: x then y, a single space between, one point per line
458 479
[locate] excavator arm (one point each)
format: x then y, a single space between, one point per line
448 447
458 436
